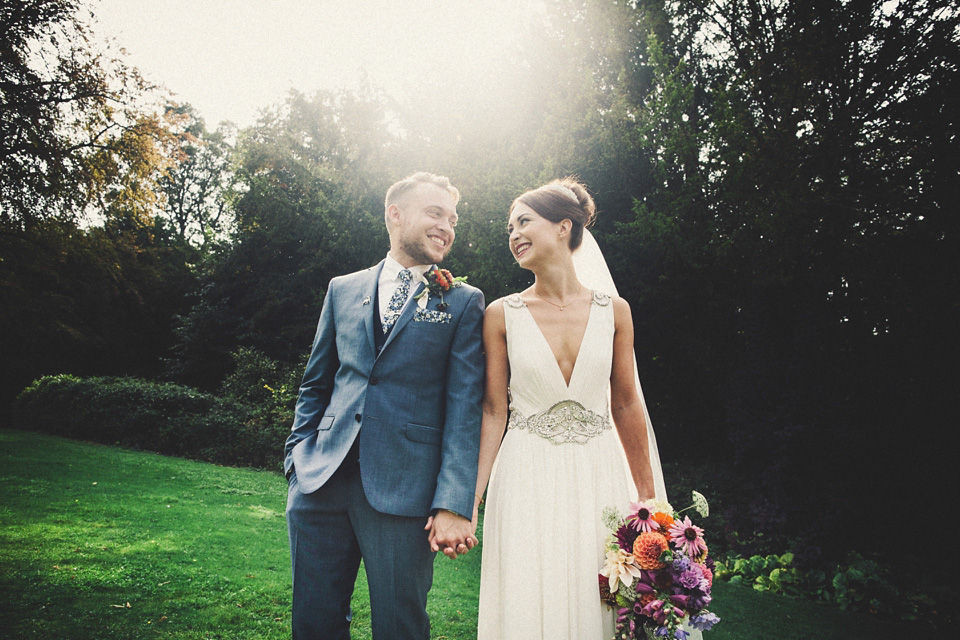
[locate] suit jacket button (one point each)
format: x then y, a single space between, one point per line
357 417
374 380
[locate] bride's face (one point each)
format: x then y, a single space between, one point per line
533 238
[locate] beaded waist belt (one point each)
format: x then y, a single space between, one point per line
566 421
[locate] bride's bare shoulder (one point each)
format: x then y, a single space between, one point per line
494 323
621 311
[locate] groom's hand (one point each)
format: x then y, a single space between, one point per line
451 533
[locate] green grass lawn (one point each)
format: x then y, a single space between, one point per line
101 543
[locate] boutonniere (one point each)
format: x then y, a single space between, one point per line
437 281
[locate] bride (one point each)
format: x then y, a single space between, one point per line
560 366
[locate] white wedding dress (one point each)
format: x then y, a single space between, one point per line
559 466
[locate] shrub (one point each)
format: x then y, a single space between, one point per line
269 388
858 584
254 377
162 417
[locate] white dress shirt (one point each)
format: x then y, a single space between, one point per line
389 281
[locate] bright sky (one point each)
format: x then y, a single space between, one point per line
229 58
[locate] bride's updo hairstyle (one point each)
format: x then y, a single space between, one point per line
565 199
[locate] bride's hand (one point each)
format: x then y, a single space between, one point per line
450 533
646 495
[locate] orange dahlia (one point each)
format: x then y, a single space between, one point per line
665 521
647 549
646 598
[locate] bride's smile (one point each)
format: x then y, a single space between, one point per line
528 230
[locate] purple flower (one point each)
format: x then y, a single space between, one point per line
654 609
698 600
680 563
680 634
663 579
704 621
690 579
643 587
626 536
648 577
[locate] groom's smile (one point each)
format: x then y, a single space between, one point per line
423 226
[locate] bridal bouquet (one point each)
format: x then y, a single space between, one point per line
657 572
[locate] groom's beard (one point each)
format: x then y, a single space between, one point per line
415 250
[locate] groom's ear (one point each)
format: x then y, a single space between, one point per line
393 215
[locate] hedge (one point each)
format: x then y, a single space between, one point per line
163 417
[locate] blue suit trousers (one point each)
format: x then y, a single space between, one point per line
330 530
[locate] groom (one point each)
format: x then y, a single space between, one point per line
382 457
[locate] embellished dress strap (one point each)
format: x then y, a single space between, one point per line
601 299
514 301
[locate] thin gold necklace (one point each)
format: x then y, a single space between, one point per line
561 306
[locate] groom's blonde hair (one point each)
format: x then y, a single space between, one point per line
400 189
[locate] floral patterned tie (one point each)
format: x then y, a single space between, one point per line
397 300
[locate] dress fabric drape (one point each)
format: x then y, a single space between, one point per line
559 466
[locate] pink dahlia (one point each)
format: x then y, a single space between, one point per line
707 575
641 517
688 537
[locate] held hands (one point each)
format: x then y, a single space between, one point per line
451 533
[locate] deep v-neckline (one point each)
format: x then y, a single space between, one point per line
573 372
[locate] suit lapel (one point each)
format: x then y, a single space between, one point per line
369 326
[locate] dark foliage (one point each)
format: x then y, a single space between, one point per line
161 417
87 301
793 258
310 208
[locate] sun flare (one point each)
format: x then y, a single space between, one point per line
229 59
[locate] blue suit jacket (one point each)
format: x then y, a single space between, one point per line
415 406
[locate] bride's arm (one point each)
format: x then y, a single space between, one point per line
625 404
494 397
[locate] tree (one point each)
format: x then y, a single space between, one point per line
68 113
312 173
87 301
805 155
197 183
89 282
